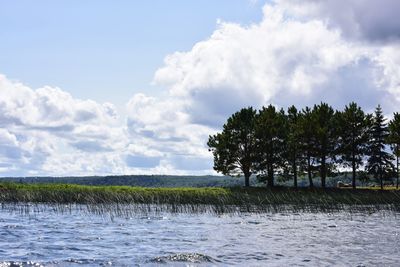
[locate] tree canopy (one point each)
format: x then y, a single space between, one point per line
325 138
270 138
234 148
312 142
353 125
379 161
394 141
292 151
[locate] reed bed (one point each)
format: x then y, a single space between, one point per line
124 200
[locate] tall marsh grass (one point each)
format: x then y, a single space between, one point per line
124 200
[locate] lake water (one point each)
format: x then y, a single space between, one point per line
277 239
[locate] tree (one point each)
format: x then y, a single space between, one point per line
270 136
292 151
353 125
234 148
306 128
379 161
394 141
325 136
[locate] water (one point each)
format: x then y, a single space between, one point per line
287 239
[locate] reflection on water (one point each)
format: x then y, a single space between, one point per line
276 239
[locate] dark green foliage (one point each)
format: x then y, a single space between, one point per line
306 130
394 141
270 138
353 126
234 148
379 161
292 152
325 138
312 142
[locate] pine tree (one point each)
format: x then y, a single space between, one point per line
325 136
234 148
394 140
353 125
270 136
292 142
306 129
379 161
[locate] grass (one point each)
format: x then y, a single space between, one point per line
124 199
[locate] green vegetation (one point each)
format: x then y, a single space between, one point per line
316 142
394 141
234 149
270 142
214 200
137 180
353 133
379 161
292 147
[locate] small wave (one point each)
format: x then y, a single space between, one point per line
54 263
20 264
185 257
89 262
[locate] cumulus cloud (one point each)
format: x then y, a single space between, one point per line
372 20
40 126
164 135
284 59
49 132
48 108
9 146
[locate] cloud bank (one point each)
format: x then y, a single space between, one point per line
369 20
302 52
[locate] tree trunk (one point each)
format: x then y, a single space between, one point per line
247 174
354 172
294 173
380 177
323 171
309 171
270 178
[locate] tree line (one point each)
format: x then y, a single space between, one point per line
311 141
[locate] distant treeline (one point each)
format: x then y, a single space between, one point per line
134 180
312 141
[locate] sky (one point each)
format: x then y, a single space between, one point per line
136 87
92 48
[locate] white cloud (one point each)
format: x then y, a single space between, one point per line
283 59
163 133
389 77
47 131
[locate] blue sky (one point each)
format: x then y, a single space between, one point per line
105 50
136 87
